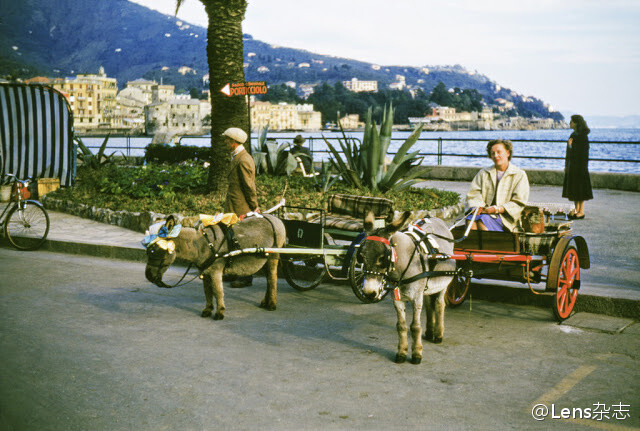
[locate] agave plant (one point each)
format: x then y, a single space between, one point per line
366 166
325 179
94 161
271 158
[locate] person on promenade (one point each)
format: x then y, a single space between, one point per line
577 183
241 193
304 153
500 191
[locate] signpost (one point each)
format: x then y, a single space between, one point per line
245 89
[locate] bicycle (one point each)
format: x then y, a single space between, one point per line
25 221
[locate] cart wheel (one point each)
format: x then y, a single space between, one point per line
458 289
356 278
303 272
565 281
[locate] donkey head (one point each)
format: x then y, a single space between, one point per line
161 253
377 254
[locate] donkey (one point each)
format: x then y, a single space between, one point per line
393 258
204 247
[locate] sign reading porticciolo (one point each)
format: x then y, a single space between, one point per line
245 88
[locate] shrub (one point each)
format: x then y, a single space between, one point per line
165 153
183 189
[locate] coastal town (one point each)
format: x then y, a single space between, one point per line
146 107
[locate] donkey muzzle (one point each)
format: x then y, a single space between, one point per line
155 279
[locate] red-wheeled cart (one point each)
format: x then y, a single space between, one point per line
554 257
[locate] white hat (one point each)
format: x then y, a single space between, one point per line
238 135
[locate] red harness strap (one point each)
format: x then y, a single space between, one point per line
385 241
379 239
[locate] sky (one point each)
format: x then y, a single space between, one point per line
579 56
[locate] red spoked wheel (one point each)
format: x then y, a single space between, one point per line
566 284
458 289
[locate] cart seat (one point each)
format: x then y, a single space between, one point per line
347 212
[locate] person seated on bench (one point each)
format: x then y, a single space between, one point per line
304 153
500 191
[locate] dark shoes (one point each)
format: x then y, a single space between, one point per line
242 282
575 217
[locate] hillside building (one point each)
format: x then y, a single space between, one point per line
358 86
92 98
176 116
284 116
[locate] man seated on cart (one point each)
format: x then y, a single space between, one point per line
500 192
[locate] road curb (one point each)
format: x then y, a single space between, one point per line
96 250
617 307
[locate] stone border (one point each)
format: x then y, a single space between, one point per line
136 221
140 221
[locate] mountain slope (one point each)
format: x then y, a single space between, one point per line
59 38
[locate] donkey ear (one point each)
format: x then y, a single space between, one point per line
170 223
398 223
368 221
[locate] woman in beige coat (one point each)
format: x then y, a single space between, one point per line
500 191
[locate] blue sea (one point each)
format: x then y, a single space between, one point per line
611 150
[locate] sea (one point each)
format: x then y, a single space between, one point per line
611 149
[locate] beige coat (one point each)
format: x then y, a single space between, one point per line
512 193
241 194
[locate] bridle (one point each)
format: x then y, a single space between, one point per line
390 256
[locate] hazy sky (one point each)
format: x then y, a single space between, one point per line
580 56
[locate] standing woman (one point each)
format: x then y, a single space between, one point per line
577 183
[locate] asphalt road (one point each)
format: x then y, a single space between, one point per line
88 343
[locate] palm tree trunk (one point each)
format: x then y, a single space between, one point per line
225 58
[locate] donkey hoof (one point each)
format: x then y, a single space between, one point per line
218 316
416 359
437 340
401 359
428 336
206 313
267 306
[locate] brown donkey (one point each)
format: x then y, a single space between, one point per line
204 248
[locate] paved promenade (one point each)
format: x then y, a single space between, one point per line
610 286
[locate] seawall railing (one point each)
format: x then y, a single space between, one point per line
134 145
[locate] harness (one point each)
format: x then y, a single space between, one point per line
230 239
425 245
216 253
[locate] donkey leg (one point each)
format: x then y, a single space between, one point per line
207 284
438 305
270 300
431 318
416 332
401 326
218 293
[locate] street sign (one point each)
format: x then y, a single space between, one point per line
245 88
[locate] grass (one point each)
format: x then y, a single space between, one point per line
182 189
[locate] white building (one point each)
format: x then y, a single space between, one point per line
361 86
284 116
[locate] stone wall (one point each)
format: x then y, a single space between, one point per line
599 180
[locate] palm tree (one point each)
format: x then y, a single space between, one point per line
225 60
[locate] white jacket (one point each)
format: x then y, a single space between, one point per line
512 192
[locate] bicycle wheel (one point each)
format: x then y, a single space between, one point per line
304 272
356 279
27 225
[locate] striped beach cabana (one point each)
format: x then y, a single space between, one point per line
36 133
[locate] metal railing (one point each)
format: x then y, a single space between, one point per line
318 146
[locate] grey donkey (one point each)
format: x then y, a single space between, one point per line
204 247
